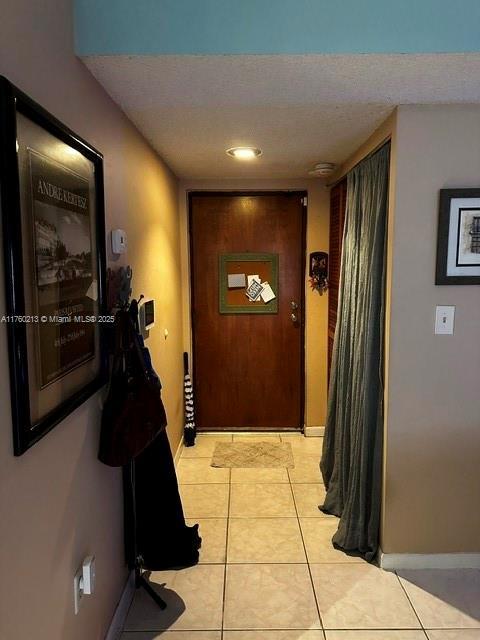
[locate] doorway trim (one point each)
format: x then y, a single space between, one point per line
302 193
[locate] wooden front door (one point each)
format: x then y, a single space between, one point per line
248 369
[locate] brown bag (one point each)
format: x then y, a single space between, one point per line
133 413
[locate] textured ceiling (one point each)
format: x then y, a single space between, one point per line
298 109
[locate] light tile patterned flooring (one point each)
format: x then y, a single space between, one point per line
268 570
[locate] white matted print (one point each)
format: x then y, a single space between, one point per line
468 244
463 257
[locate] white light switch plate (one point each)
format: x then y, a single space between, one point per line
444 320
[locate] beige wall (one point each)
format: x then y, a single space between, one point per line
432 481
316 305
58 503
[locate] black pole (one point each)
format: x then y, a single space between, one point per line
132 550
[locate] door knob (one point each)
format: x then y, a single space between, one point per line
294 317
293 305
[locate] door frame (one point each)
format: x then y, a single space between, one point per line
301 193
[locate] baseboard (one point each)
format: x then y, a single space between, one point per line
118 621
394 561
178 452
314 432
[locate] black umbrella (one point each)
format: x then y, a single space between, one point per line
189 431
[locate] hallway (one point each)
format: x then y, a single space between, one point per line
268 570
116 118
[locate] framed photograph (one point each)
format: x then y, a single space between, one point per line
52 208
318 271
248 283
458 247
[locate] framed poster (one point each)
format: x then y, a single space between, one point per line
52 208
458 243
248 283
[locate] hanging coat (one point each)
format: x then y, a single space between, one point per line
133 413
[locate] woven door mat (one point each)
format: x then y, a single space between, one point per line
254 454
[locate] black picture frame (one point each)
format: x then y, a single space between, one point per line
15 107
318 264
449 270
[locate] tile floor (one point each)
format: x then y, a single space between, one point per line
268 570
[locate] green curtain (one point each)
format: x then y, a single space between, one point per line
351 463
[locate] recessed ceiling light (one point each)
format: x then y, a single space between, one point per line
244 153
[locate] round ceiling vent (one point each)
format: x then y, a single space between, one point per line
323 169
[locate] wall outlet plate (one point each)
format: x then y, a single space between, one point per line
88 569
78 590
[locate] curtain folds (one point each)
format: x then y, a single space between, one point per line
351 463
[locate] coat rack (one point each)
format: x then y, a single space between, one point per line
134 557
119 290
134 437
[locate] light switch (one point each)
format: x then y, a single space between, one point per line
444 320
